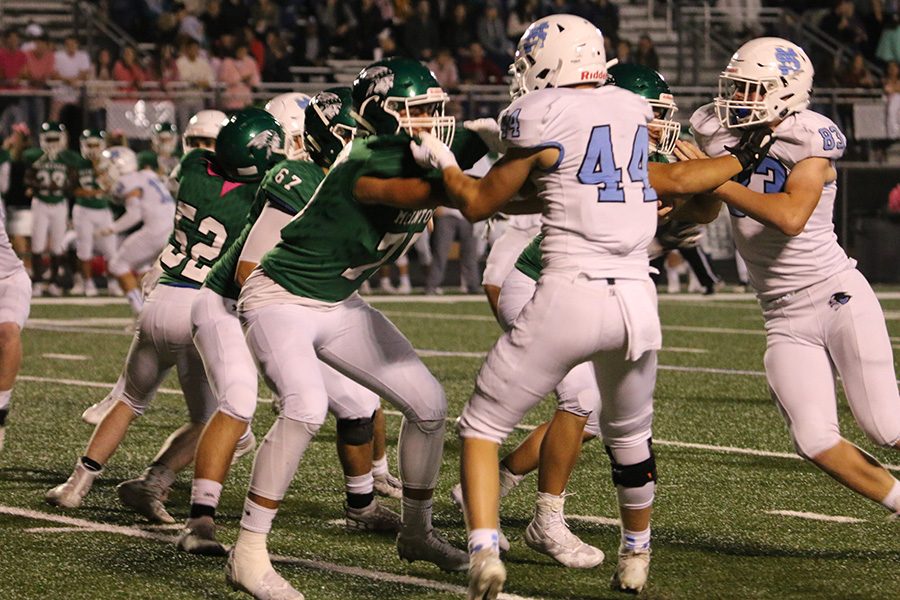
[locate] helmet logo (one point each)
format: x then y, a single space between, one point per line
267 139
302 102
788 60
330 105
381 80
537 34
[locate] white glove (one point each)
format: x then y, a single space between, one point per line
432 153
489 132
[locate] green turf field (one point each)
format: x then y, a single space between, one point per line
721 529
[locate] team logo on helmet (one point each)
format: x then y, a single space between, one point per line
329 105
788 61
302 102
537 35
381 80
268 139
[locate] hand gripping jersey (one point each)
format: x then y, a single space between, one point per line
290 184
778 263
210 214
157 205
51 178
599 208
335 243
87 180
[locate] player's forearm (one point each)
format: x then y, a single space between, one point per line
774 210
693 176
131 218
700 208
471 196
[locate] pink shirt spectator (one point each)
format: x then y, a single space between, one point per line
39 68
240 75
11 64
129 72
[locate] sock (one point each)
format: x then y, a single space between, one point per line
205 494
360 490
415 516
635 541
380 466
384 283
257 519
5 395
892 500
135 300
404 280
91 464
508 480
481 539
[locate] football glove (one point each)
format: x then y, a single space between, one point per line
489 132
752 148
431 153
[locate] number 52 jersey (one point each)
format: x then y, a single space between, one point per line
599 208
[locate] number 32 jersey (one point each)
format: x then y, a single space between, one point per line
599 211
777 263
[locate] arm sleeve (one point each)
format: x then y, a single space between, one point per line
131 217
264 234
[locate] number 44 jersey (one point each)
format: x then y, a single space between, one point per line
210 214
599 208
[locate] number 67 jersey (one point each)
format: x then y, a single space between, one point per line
599 208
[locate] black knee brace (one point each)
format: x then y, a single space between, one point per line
633 476
355 432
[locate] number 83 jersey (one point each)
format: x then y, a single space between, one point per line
599 208
210 213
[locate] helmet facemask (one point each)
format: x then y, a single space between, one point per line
423 113
294 148
664 127
53 142
92 147
165 143
750 108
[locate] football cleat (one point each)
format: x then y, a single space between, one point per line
199 537
433 548
94 413
72 492
54 290
632 571
388 486
38 289
90 288
113 288
270 586
77 287
145 496
549 534
245 446
373 517
486 575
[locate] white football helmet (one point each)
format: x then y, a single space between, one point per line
767 79
290 110
92 143
203 129
53 138
557 51
115 162
164 139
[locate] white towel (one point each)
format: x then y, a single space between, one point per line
637 300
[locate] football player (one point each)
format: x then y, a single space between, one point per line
164 144
91 212
49 180
202 130
215 193
595 301
218 336
301 306
822 317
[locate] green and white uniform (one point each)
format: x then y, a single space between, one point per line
91 214
51 180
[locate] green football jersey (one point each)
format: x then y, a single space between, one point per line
290 185
529 261
209 215
331 247
87 180
51 179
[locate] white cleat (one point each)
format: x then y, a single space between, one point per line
38 289
549 534
90 289
94 413
405 288
245 446
486 575
373 517
146 498
269 586
72 492
433 548
54 290
114 289
388 486
199 537
632 571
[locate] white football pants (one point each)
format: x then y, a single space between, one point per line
48 221
87 221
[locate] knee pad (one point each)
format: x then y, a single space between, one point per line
636 482
420 451
356 432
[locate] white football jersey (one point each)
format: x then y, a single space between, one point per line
599 211
777 263
529 225
157 204
9 262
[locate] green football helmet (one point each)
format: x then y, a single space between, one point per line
164 139
53 138
647 83
401 94
329 125
249 144
92 143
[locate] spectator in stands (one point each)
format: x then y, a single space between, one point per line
240 75
265 15
336 25
12 63
235 13
308 49
492 35
371 24
890 83
196 75
128 71
188 23
214 23
857 75
646 53
445 71
40 66
524 14
420 32
478 68
623 52
602 13
889 43
255 46
456 31
72 66
387 46
165 65
277 65
102 83
873 21
843 25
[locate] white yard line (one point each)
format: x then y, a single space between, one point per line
684 350
83 524
813 516
53 356
90 321
593 519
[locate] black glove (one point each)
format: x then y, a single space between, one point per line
752 148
